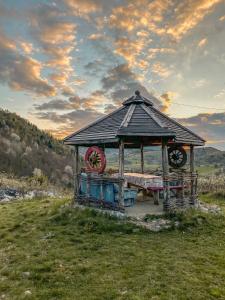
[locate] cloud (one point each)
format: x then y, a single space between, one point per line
202 42
187 15
120 82
96 36
138 14
161 70
20 71
208 126
59 104
56 37
79 81
69 122
130 49
83 8
96 100
220 94
200 83
151 16
26 47
155 51
167 100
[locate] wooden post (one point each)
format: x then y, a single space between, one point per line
192 169
76 172
165 169
142 159
121 172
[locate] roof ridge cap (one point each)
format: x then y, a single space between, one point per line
128 116
148 111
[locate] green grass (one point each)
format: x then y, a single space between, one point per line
74 254
206 170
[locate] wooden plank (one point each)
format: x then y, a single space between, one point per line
152 115
76 172
165 168
192 167
142 159
121 172
128 116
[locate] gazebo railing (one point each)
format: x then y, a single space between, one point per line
100 191
180 190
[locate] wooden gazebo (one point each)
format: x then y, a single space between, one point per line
137 124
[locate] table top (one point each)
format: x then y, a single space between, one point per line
140 175
144 180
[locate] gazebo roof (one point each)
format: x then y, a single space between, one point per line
137 120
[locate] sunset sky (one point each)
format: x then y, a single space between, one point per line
65 63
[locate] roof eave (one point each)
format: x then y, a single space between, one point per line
92 142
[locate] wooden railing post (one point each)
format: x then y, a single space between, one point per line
121 173
193 182
142 159
76 172
165 169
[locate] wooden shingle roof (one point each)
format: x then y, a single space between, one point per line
136 118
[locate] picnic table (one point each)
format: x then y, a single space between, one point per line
146 182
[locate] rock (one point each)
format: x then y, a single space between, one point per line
215 209
154 225
9 194
27 293
26 274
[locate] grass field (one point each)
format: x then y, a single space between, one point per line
48 251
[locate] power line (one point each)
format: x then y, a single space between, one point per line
203 107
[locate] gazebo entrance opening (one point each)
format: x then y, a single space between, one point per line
136 125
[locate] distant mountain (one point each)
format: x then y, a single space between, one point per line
24 147
204 156
210 156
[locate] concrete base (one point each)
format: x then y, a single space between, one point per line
143 206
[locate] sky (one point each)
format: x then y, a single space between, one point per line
65 63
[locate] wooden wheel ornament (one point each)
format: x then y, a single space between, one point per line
177 157
95 160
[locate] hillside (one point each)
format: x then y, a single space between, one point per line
24 148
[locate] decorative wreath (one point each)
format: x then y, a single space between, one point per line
177 157
95 160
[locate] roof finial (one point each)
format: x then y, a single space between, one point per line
137 93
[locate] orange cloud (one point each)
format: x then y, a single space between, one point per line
57 39
139 14
161 70
188 14
167 100
96 36
26 47
202 42
83 7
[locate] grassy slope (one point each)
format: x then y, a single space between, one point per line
78 255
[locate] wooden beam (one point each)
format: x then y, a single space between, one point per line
76 172
121 159
121 173
142 159
165 169
128 116
192 169
192 162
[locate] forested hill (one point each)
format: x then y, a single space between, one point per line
24 147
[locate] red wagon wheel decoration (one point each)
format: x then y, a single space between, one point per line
95 160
